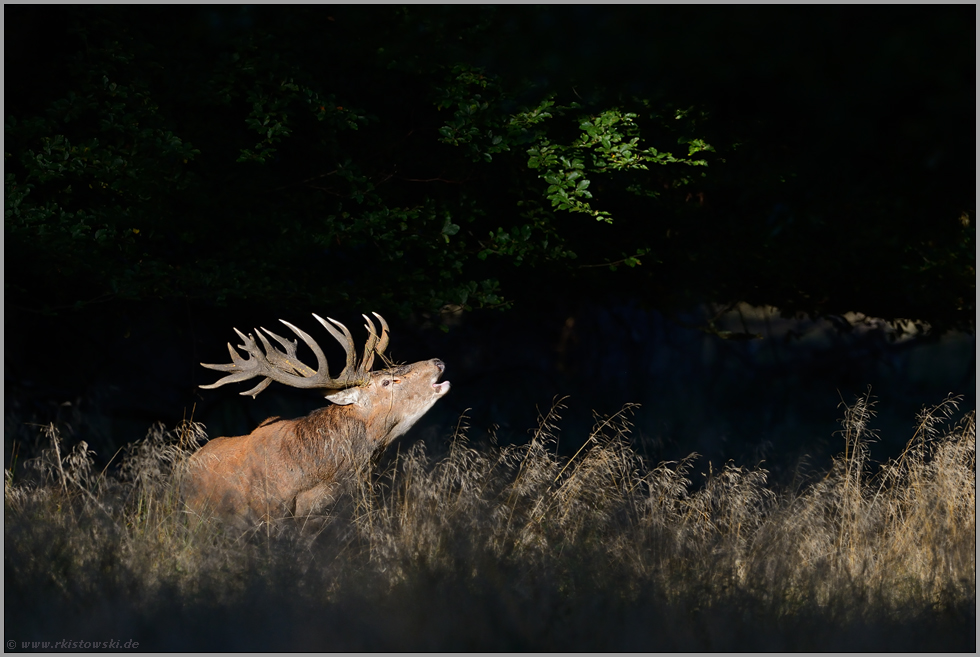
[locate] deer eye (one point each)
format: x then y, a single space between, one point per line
385 383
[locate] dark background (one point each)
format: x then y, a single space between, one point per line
842 181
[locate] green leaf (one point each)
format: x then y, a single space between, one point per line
449 228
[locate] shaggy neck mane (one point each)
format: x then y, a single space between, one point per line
335 433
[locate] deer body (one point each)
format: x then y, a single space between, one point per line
297 467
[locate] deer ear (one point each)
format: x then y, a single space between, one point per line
345 397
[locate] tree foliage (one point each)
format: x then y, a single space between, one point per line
421 158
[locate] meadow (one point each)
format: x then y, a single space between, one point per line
484 546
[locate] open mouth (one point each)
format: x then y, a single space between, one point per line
443 387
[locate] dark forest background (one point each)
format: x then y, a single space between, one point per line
735 216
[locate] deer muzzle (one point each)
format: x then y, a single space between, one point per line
443 387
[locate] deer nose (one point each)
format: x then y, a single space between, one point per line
438 363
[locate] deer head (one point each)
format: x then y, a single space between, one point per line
403 392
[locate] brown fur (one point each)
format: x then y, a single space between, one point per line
296 467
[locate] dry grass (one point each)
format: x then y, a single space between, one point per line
513 548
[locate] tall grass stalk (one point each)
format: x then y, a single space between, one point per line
512 547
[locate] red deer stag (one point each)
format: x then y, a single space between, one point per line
296 467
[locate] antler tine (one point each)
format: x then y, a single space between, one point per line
240 368
350 374
287 361
322 374
263 384
368 360
229 367
273 355
383 342
288 345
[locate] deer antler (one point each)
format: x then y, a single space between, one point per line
285 367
